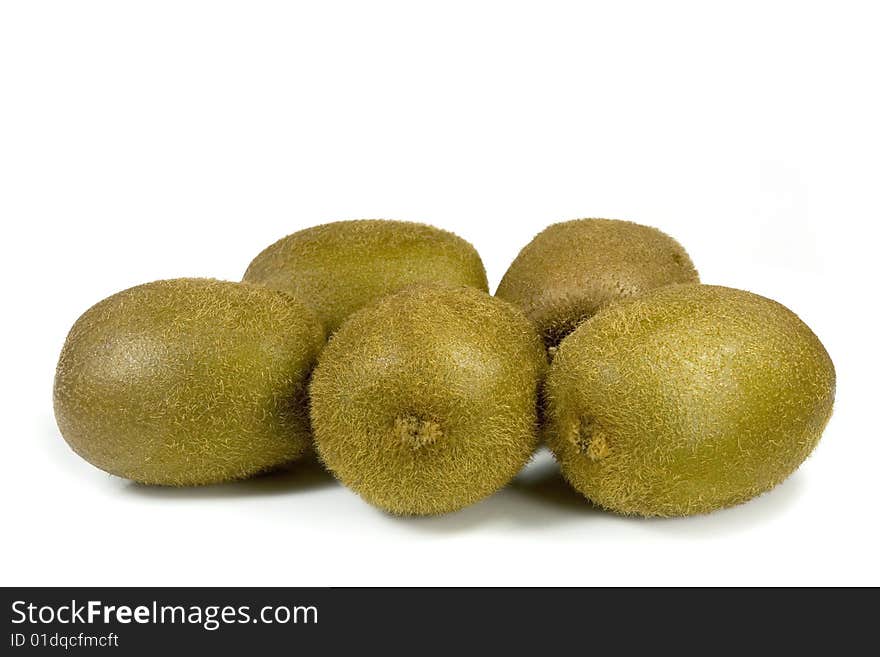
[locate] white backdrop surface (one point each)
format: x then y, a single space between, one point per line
141 141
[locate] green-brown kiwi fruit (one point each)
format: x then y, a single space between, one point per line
343 266
426 401
687 399
572 269
188 381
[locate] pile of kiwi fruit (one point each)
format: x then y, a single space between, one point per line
376 346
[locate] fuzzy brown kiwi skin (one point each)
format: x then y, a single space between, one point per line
573 269
188 381
685 400
343 266
426 401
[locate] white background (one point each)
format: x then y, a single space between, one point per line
148 140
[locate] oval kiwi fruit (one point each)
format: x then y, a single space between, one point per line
341 267
426 401
572 269
188 381
687 399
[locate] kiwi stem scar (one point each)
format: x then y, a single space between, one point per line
591 440
417 432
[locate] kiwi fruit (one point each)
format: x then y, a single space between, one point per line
687 399
341 267
188 381
572 269
425 402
